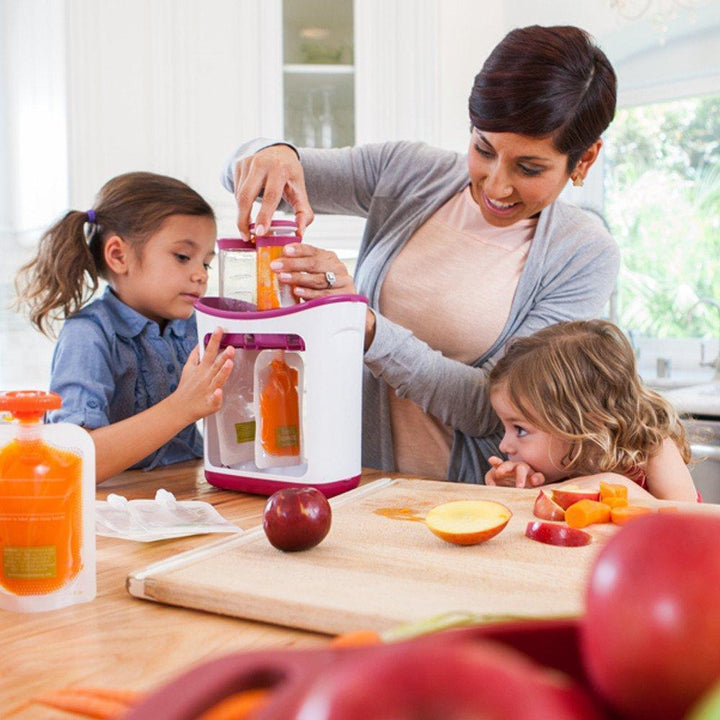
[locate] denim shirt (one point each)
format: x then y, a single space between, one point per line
110 363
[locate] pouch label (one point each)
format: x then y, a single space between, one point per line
286 435
245 432
30 562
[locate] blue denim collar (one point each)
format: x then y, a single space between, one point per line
129 323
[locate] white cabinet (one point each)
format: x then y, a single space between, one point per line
318 81
192 80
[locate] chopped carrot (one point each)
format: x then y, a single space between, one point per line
613 501
622 515
86 705
240 706
356 638
587 512
612 490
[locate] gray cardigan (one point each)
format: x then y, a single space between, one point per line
569 274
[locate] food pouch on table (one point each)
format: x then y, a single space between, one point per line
278 408
47 507
236 419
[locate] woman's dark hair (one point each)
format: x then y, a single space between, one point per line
546 82
64 274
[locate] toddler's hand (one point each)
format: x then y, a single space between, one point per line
201 382
508 473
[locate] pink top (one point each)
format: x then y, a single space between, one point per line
452 285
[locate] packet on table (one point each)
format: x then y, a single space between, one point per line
158 519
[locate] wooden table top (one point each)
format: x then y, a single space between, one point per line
118 641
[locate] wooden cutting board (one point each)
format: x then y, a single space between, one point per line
380 566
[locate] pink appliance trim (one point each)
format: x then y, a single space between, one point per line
210 306
261 486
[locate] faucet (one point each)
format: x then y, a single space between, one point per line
716 362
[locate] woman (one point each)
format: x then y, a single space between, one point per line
459 254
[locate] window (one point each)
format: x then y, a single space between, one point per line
662 201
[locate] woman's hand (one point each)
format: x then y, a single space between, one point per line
199 392
275 172
512 474
312 272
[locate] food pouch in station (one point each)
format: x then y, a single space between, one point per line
278 393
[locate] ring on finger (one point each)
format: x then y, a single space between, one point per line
330 279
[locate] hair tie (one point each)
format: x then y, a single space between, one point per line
91 216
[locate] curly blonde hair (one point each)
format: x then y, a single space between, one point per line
578 381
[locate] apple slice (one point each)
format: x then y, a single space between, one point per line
468 522
567 495
561 535
546 508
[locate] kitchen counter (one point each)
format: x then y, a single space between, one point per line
118 641
121 642
702 399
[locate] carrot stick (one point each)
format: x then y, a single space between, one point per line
123 695
622 515
587 512
96 702
86 705
240 706
356 638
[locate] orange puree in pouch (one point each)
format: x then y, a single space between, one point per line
40 512
268 292
279 408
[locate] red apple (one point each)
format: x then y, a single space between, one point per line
296 518
546 508
448 680
566 495
552 534
467 522
650 638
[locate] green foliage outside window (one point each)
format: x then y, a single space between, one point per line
662 201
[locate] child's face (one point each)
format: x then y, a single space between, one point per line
523 442
172 270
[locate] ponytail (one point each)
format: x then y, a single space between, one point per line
63 275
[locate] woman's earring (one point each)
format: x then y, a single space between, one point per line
578 181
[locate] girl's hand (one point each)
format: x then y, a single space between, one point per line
199 392
508 473
276 173
306 268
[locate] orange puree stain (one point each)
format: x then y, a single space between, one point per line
400 513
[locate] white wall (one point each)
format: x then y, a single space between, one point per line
33 147
164 85
92 88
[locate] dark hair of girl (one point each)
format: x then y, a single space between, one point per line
65 272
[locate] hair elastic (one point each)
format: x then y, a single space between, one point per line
91 216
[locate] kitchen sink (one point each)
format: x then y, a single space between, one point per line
704 437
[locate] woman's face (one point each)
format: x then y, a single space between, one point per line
514 177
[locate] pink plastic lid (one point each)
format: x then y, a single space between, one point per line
235 244
279 224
